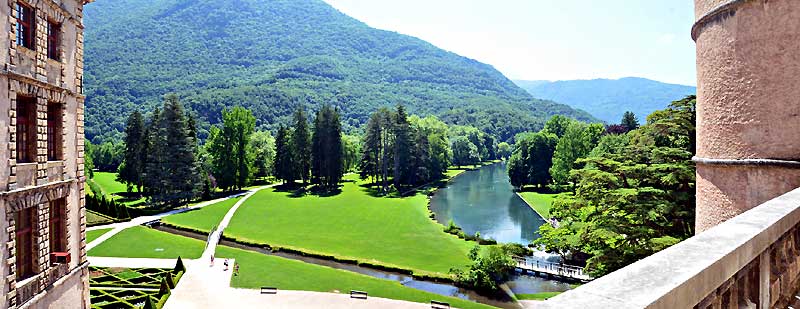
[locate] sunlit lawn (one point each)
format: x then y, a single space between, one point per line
257 270
94 234
112 188
540 202
142 242
353 224
203 219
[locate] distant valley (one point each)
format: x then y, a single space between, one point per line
608 99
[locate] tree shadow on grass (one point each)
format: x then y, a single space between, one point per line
297 190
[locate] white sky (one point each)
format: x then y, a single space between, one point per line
549 39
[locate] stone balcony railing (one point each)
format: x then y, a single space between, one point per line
750 261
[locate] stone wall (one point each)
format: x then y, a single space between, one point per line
30 73
749 261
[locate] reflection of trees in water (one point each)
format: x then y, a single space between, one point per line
496 210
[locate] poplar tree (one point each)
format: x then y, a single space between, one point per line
229 148
132 169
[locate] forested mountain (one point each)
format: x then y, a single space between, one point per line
608 99
270 56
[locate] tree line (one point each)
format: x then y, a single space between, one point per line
629 189
163 159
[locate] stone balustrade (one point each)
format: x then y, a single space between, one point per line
749 261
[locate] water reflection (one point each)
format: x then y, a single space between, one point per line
484 201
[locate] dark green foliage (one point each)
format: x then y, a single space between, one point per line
488 271
148 304
107 156
377 148
107 207
132 169
88 163
284 156
268 56
327 149
170 280
301 145
170 167
179 267
532 157
635 195
629 121
228 147
164 288
465 152
403 172
578 140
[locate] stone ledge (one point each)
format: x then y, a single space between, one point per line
683 275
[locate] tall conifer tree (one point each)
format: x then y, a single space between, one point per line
131 171
301 141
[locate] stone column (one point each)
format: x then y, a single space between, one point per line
748 111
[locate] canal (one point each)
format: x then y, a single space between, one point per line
484 201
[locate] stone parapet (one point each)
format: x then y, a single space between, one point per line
752 259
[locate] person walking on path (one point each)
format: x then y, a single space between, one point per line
236 269
212 260
226 265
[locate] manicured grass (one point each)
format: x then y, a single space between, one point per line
453 172
537 296
94 234
257 270
354 225
109 184
540 202
203 219
142 242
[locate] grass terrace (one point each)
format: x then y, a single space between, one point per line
94 234
257 270
203 219
355 225
540 202
142 242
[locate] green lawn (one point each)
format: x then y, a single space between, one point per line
540 202
112 188
537 296
202 219
257 270
142 242
108 183
94 234
353 224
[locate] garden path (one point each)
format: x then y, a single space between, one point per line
118 227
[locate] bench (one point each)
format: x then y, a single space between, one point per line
358 294
269 290
439 305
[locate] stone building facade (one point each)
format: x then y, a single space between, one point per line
42 218
748 105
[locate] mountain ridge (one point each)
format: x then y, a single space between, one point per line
608 99
271 56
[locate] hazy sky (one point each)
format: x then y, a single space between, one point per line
549 39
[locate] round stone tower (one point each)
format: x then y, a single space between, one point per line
748 108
